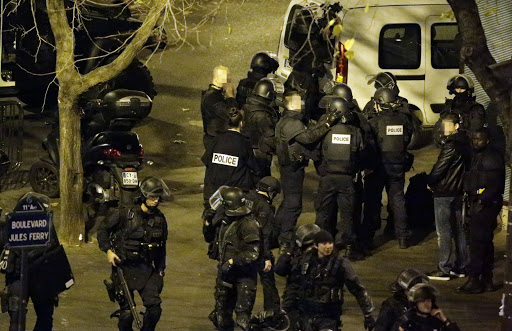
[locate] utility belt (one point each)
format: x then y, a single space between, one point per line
135 250
320 309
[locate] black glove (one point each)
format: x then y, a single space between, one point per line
208 214
369 322
225 267
332 118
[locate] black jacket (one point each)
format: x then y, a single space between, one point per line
246 85
214 110
447 174
487 172
410 321
259 122
392 308
264 212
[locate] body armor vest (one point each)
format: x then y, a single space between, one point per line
230 240
250 127
286 129
392 137
339 149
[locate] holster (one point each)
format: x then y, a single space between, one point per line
4 301
111 290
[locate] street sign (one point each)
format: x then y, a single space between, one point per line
28 229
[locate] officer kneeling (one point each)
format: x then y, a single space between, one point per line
134 238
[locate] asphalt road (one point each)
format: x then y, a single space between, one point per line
172 139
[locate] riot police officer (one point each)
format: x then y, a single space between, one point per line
471 113
260 118
341 153
134 238
215 102
262 64
396 305
262 208
392 132
239 247
293 141
323 275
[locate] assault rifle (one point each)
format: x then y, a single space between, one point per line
126 292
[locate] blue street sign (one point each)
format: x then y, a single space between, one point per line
28 229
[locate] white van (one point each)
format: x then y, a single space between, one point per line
410 38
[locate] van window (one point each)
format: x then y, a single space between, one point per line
289 41
400 46
445 45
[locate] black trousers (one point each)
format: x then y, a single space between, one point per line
271 299
481 233
292 183
336 190
290 303
391 178
144 279
43 306
237 295
320 323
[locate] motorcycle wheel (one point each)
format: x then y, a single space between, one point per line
44 179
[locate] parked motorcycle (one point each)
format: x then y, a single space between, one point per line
111 153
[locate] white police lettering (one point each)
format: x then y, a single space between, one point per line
394 130
225 159
343 139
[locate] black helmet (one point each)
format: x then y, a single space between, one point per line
338 105
305 234
407 279
342 90
421 292
385 97
460 81
234 201
385 79
154 187
265 62
269 184
5 163
265 88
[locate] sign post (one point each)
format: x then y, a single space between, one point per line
28 227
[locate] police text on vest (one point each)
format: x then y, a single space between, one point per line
343 139
394 130
225 159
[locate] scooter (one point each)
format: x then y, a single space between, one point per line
111 153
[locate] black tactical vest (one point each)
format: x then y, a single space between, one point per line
393 136
339 149
288 150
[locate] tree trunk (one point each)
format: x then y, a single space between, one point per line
71 174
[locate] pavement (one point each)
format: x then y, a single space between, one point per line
172 139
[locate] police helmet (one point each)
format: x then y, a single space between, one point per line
342 90
407 279
421 292
338 105
385 97
460 81
265 89
265 62
269 184
384 79
154 187
5 163
305 234
234 201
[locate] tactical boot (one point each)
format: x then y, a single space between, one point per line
472 286
352 254
403 243
213 317
488 283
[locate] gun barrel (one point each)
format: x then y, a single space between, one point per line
128 296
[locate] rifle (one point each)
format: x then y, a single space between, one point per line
126 292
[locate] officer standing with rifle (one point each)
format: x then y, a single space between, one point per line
134 238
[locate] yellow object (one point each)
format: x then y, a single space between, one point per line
229 29
349 43
349 55
336 31
480 190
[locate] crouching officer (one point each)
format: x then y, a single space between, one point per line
134 239
323 275
239 247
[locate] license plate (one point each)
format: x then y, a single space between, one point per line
130 178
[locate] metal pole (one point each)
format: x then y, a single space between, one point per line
22 313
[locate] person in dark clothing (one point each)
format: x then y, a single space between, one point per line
134 238
288 266
471 114
262 64
237 235
215 102
341 155
262 208
229 160
484 183
392 131
396 305
293 146
446 181
323 275
424 315
260 118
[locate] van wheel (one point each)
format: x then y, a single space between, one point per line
44 179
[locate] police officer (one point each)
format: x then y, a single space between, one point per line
229 161
260 118
324 273
41 287
471 113
262 208
262 64
341 152
215 102
392 132
288 265
293 141
484 182
239 243
134 238
424 314
396 305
